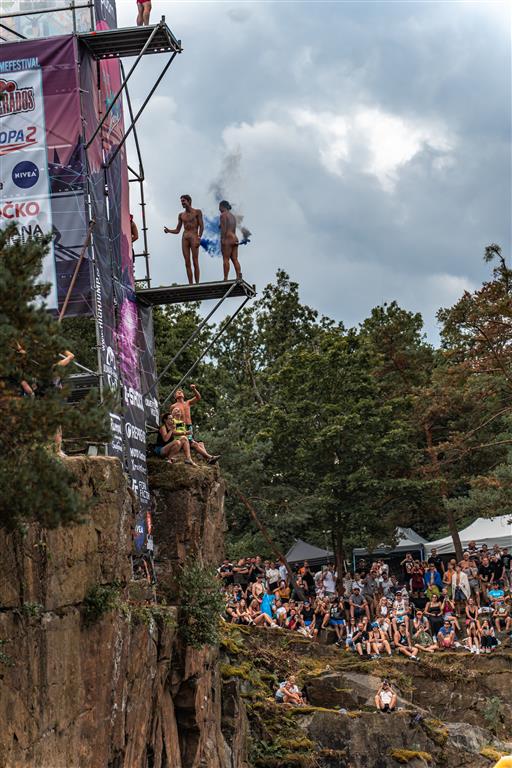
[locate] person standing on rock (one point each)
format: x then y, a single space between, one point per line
184 406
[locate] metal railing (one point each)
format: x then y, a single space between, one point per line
26 20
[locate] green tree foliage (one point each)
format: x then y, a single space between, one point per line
337 434
201 604
34 483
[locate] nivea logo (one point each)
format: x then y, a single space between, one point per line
25 174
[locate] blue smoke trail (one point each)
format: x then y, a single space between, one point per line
210 240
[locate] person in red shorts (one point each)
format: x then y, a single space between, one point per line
143 12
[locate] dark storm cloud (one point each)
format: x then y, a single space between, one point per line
367 144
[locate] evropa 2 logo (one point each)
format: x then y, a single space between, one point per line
17 138
14 99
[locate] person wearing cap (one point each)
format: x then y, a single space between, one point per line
446 636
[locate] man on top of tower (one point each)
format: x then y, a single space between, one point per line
192 222
143 12
228 239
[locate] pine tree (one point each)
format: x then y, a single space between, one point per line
34 483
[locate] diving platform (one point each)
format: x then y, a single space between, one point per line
130 41
181 294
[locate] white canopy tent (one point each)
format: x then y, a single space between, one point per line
485 530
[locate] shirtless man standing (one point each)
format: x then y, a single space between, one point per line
228 239
192 222
184 406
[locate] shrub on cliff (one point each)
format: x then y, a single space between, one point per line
201 605
34 483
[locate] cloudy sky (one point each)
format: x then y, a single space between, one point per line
366 143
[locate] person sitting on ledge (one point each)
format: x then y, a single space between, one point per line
186 416
385 699
172 438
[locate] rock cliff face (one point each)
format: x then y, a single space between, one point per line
120 690
454 710
92 675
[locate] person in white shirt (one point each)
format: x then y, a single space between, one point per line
385 699
329 581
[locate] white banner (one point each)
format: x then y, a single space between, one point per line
24 180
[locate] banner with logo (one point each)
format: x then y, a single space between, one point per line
42 159
118 314
148 366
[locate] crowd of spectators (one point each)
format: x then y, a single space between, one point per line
425 607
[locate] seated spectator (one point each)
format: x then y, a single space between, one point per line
421 635
403 644
308 614
257 617
385 699
360 639
488 639
267 602
378 643
400 612
446 636
280 612
292 694
243 615
321 617
500 608
473 639
433 581
358 605
448 609
471 611
337 619
283 591
172 438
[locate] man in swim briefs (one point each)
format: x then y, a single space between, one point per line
192 222
143 12
228 239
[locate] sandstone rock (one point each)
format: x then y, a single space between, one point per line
116 693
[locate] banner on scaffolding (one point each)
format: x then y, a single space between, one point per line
116 304
42 161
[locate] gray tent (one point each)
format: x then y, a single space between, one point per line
316 556
407 541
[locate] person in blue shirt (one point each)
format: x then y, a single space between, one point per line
267 602
433 581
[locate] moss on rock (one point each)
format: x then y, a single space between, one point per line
405 756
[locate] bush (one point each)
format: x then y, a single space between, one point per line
100 599
201 605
